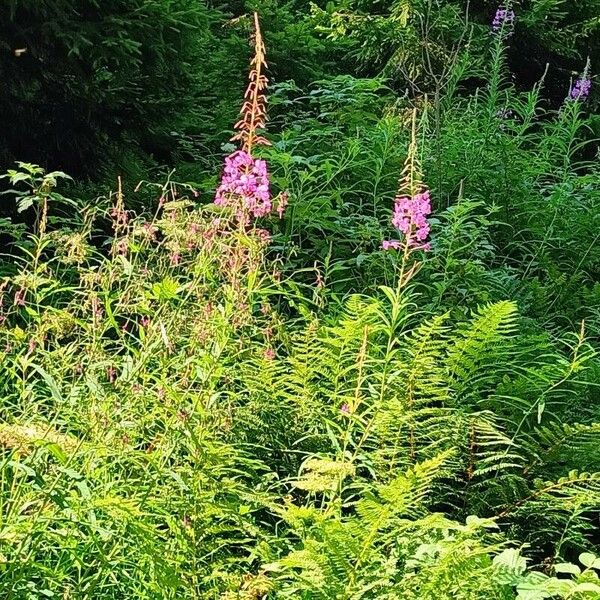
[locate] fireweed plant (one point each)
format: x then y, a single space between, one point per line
179 420
412 205
244 187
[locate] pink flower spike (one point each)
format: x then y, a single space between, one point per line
410 218
245 186
345 409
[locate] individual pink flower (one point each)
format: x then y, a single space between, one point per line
150 231
20 297
122 246
319 283
391 245
345 409
269 354
263 236
111 373
119 216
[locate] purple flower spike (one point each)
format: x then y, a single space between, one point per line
504 19
580 89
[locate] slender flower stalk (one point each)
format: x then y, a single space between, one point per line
412 205
245 181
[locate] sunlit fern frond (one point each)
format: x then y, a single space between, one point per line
415 404
493 453
403 496
400 11
479 346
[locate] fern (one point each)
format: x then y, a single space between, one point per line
479 344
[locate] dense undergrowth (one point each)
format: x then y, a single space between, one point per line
361 364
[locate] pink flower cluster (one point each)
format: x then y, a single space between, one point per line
245 185
410 218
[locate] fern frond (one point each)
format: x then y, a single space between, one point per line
479 343
565 442
492 449
403 496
